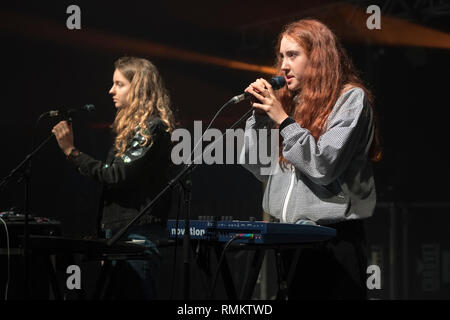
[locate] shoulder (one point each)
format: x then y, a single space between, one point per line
154 126
352 95
350 106
353 99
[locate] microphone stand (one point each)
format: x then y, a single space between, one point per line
186 184
25 175
186 237
25 166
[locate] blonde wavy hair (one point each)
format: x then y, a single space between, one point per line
147 99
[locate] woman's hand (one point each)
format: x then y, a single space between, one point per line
64 135
262 90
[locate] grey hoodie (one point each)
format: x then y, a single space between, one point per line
327 182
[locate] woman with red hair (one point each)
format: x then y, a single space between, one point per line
324 174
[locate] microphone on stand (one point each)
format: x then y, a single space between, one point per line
69 112
276 83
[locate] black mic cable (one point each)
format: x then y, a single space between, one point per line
222 256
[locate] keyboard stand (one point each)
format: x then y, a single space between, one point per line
252 274
285 274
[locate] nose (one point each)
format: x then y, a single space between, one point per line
112 90
284 65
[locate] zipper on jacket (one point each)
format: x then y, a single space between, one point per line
288 195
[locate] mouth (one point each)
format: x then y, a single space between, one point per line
288 78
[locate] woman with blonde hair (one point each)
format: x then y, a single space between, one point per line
329 140
136 169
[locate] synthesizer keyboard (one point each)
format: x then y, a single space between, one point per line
258 232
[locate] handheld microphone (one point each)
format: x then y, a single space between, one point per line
276 83
85 108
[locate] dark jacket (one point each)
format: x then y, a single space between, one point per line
132 180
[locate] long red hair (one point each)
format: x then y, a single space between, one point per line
328 74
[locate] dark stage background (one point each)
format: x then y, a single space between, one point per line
46 66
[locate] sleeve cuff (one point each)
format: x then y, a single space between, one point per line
286 122
78 160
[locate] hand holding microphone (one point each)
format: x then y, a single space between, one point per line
63 130
64 135
263 91
276 83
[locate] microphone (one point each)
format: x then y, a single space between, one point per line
276 83
85 108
